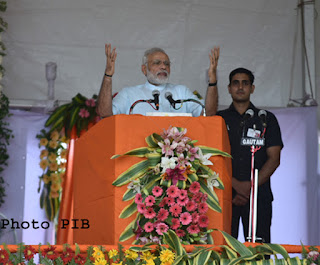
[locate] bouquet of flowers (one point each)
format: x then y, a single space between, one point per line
172 189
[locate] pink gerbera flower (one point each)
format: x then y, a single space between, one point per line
138 199
175 223
195 217
141 208
183 194
194 187
90 102
203 207
162 214
149 201
148 227
175 210
163 202
83 113
180 233
191 206
183 202
170 201
203 221
162 228
193 229
157 191
185 218
173 192
149 213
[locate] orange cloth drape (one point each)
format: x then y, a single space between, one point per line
101 203
66 205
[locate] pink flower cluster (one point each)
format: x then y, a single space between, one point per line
182 210
84 113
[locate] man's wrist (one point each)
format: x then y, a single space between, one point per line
105 74
213 83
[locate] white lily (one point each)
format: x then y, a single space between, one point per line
135 185
204 159
167 163
212 181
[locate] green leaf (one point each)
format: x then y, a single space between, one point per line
132 173
56 115
128 232
139 152
236 245
129 194
174 242
129 210
212 200
203 257
278 249
153 139
213 151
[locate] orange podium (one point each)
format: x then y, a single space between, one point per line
98 203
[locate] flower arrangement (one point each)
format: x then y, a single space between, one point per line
78 114
5 133
172 189
173 253
312 256
53 163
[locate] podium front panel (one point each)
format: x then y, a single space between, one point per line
99 204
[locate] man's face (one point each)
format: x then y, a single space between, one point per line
157 69
240 88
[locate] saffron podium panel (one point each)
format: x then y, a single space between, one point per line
99 202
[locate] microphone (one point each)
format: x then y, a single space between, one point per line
263 116
156 94
168 96
248 115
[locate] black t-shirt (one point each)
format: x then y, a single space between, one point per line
241 155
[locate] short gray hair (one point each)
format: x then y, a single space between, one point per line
149 52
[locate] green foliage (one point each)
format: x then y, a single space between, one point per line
172 253
79 113
5 133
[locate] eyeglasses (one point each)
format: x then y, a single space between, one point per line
159 62
243 83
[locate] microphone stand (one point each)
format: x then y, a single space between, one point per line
253 195
140 101
193 100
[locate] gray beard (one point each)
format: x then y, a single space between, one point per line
154 79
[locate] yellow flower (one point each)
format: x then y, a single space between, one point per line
55 177
62 165
46 179
53 144
44 164
62 174
43 154
100 261
54 136
55 186
53 166
63 154
113 253
52 157
131 254
167 257
43 141
97 253
148 257
54 194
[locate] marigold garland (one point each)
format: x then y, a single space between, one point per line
53 142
